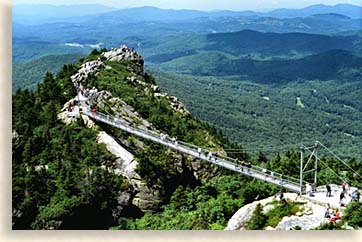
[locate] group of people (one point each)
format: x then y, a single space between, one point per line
332 215
346 195
164 137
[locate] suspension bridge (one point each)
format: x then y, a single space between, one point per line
257 172
298 185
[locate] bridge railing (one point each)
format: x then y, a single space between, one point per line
214 158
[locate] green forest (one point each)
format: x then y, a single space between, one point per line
268 118
59 180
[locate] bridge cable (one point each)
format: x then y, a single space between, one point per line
339 159
326 165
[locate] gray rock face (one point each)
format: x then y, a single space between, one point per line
310 216
88 68
126 54
147 199
240 219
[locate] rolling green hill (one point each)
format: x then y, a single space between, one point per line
28 74
251 44
334 64
273 118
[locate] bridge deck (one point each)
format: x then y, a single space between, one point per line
260 173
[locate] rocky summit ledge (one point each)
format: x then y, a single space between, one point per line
310 216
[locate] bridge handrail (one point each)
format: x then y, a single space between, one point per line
225 159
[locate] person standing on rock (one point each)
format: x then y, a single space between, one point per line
281 196
344 183
329 191
308 189
341 198
326 211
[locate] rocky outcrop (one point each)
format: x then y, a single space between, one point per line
125 162
174 102
126 54
240 219
310 216
121 110
87 69
145 198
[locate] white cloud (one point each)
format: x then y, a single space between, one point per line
74 45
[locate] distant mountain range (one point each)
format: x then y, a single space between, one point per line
38 14
46 13
290 45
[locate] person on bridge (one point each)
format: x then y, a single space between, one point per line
199 151
94 110
329 191
209 155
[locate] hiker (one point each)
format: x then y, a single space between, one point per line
344 183
326 211
209 155
329 191
161 136
248 166
94 110
281 196
308 189
341 198
217 154
336 217
358 195
199 151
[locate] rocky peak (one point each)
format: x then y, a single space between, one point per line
125 53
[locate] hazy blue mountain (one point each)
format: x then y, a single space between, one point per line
43 13
250 44
156 14
349 10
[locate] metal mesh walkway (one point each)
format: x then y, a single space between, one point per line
257 172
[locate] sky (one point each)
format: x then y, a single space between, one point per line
198 4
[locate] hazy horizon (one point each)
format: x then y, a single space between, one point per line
204 5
